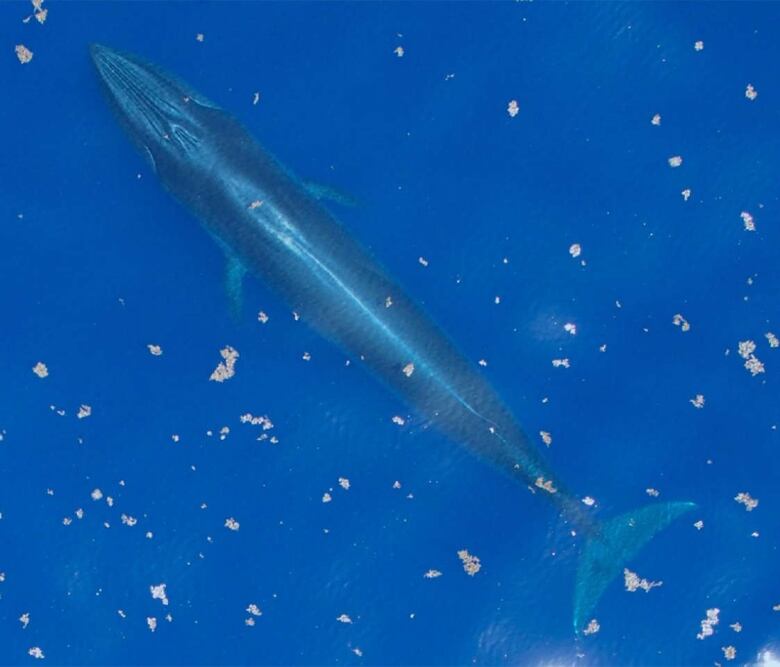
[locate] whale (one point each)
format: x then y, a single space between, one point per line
271 224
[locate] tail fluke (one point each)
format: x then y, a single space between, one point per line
616 542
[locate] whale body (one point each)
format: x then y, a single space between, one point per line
272 225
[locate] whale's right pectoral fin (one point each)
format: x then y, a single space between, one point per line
320 191
150 158
234 285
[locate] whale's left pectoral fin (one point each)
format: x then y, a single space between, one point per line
326 192
234 285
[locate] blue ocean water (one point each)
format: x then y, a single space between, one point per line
99 262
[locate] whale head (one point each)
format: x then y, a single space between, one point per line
164 117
